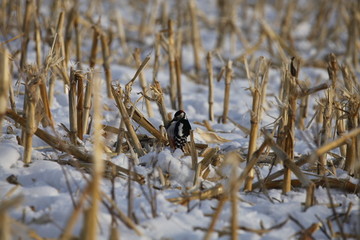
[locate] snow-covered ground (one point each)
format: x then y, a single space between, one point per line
50 190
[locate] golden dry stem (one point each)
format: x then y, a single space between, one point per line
228 78
143 83
178 83
93 52
77 40
106 63
233 196
121 32
4 82
45 100
38 43
159 97
72 107
195 35
291 76
26 31
7 223
215 217
79 79
209 68
31 99
118 96
72 220
303 112
140 119
60 49
258 91
71 15
172 67
157 92
87 102
5 232
91 226
193 152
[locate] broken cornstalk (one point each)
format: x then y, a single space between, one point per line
211 85
228 77
4 82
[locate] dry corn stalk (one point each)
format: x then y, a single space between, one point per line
106 64
156 64
194 156
318 152
281 43
72 220
87 102
253 135
157 92
48 63
352 50
341 184
139 118
91 228
340 125
118 95
283 107
119 214
11 91
289 141
215 217
80 104
216 191
233 160
92 59
38 42
5 228
68 32
172 67
290 165
178 82
63 146
3 13
143 83
195 35
211 85
208 158
6 232
121 32
159 97
72 107
352 164
328 111
286 23
61 48
26 31
303 112
32 97
4 82
228 77
77 39
258 91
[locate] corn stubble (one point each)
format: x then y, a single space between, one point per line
337 113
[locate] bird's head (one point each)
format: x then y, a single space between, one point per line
179 115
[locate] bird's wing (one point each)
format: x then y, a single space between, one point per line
186 127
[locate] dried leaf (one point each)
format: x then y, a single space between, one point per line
211 137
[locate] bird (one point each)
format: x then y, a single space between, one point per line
178 129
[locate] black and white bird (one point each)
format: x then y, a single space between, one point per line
178 130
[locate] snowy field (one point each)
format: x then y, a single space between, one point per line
50 189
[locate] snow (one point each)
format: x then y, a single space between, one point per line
49 186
